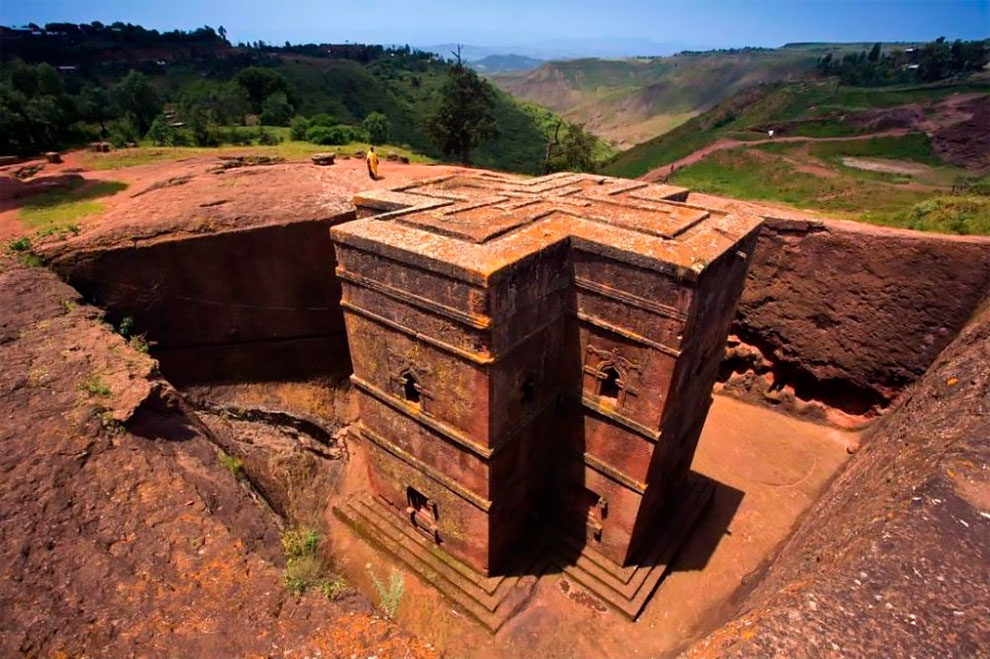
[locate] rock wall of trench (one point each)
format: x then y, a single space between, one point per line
893 559
836 318
848 314
251 304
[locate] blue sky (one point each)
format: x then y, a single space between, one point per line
715 23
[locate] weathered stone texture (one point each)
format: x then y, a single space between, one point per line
850 314
894 559
542 347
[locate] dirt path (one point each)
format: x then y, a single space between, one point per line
661 173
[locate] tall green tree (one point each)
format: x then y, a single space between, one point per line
377 126
276 110
214 103
260 83
464 115
94 105
874 55
36 113
572 151
136 99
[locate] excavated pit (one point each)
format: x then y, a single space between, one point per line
244 318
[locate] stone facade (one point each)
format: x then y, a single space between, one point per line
535 356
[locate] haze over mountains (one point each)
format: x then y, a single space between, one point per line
561 48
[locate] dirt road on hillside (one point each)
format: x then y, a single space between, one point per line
661 173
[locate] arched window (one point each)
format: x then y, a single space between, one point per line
609 387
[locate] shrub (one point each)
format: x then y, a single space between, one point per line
299 542
322 119
202 134
303 568
237 137
22 244
139 342
126 326
162 133
122 131
389 596
377 126
298 127
268 139
276 110
94 386
334 135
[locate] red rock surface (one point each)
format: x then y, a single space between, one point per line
893 560
966 140
847 313
132 540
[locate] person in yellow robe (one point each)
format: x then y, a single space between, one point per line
372 161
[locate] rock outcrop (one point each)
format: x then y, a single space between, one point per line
120 532
848 314
893 560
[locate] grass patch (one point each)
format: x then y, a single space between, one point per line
915 147
139 342
94 386
823 128
389 596
304 570
963 215
290 150
123 158
231 464
22 244
56 211
740 174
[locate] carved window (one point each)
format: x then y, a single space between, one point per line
423 513
409 385
612 375
410 388
608 385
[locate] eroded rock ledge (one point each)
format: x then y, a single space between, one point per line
893 559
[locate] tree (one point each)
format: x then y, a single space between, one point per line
378 128
572 152
874 52
339 134
463 118
161 133
260 84
36 113
298 127
276 110
94 105
136 99
212 103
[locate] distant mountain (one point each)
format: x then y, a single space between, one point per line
606 47
627 101
505 64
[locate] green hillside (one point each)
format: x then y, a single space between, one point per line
808 108
826 155
341 85
350 90
628 101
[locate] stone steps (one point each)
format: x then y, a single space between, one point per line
629 588
490 600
